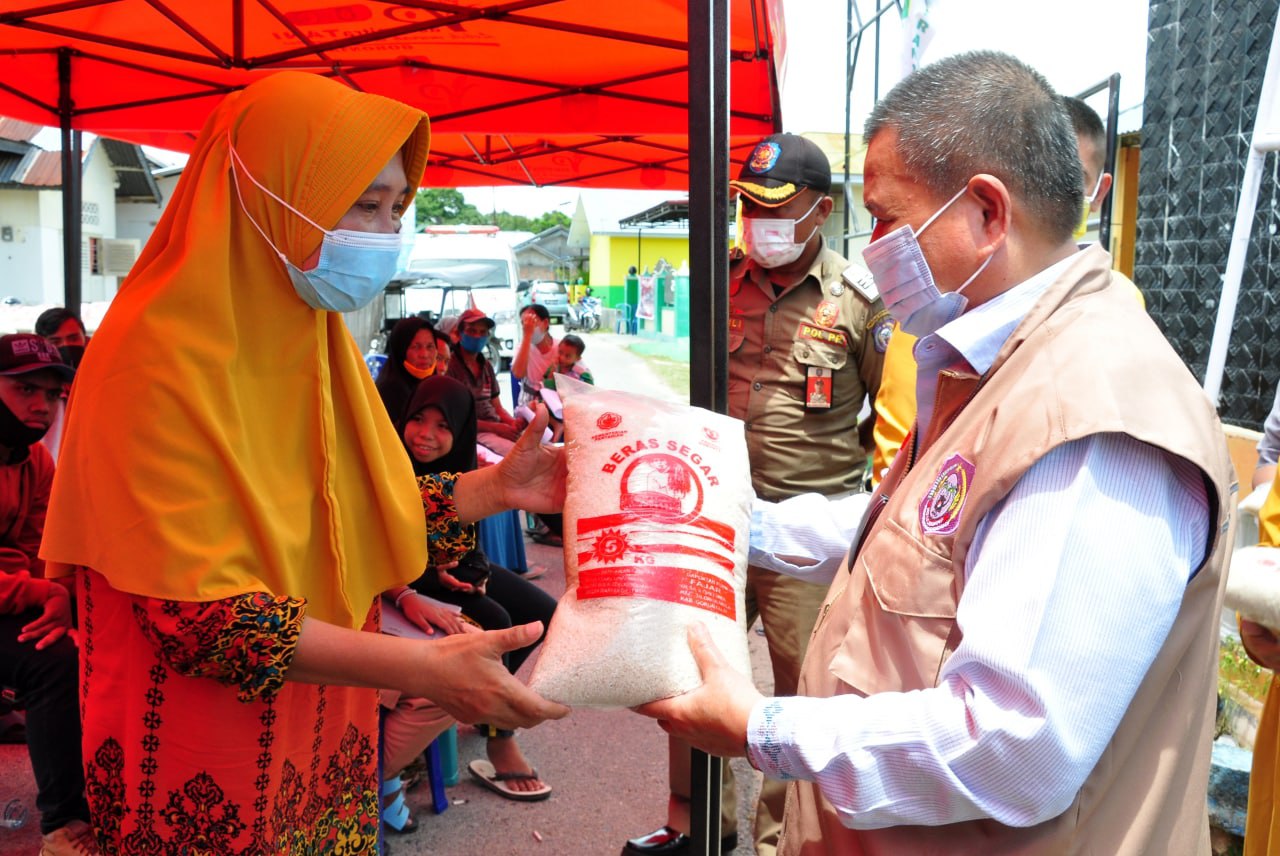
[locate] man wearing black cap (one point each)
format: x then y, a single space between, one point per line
37 657
807 333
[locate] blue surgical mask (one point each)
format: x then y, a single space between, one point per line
906 284
473 344
354 267
539 336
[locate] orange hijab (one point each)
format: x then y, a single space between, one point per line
222 436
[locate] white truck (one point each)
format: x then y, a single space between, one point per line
451 267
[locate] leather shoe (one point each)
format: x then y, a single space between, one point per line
667 842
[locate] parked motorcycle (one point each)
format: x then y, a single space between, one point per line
583 315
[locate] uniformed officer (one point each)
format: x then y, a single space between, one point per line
807 334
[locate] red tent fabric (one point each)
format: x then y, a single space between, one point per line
540 92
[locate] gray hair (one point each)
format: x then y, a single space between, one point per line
987 112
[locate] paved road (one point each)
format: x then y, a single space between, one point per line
608 768
614 367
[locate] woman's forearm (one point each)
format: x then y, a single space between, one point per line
478 494
531 476
464 673
329 654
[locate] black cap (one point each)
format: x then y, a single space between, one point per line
780 166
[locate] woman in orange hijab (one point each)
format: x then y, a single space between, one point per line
233 498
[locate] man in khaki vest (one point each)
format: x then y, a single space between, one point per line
1019 654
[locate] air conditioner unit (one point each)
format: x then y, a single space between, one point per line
118 255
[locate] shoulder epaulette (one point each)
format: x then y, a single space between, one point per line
860 280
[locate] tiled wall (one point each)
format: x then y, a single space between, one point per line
1205 63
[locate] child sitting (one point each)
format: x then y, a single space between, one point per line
568 362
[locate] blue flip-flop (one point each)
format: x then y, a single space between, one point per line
395 814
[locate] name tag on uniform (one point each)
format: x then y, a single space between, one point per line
817 388
821 334
737 330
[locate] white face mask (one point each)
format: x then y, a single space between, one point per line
906 284
1083 226
771 242
354 267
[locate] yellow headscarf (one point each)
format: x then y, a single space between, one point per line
222 436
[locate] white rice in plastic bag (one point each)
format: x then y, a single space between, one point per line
656 524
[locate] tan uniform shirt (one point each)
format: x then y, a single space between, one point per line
800 367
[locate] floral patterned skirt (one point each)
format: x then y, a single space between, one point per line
180 765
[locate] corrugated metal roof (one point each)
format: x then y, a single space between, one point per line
23 164
10 164
45 170
34 168
132 170
13 129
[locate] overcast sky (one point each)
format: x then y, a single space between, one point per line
1073 45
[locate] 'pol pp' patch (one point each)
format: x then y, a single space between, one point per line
764 157
940 509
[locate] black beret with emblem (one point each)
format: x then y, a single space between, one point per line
780 166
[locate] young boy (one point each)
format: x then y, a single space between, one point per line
568 356
568 362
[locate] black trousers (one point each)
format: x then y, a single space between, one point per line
47 684
509 599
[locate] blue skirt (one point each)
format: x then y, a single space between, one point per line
502 540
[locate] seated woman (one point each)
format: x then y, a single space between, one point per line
439 432
412 354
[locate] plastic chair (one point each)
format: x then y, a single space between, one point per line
435 775
375 362
626 322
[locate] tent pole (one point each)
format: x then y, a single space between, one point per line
708 296
71 189
1113 119
847 214
709 203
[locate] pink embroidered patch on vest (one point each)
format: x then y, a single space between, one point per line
940 509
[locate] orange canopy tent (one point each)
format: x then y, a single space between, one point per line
537 92
642 94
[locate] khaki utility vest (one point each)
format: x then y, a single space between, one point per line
1085 360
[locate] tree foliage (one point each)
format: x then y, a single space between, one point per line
446 207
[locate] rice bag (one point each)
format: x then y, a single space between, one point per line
656 524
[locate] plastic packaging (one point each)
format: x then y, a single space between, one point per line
656 525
